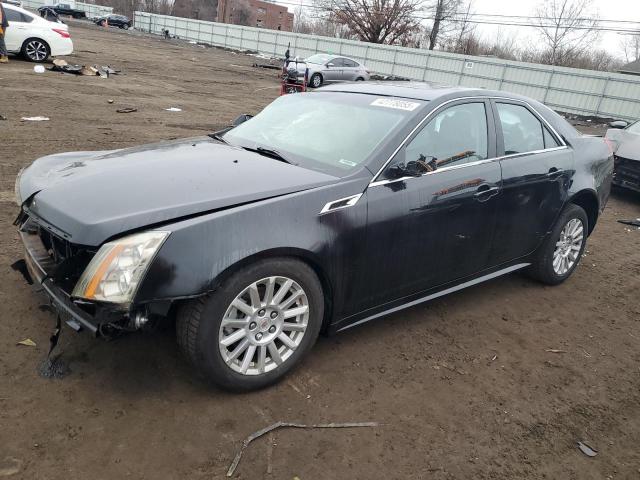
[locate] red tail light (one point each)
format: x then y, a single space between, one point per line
62 33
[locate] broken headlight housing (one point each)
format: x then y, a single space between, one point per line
115 272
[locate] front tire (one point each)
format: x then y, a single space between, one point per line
561 252
35 50
125 26
255 327
315 81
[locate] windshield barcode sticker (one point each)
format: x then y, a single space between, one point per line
395 103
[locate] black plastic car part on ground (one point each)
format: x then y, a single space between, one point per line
324 211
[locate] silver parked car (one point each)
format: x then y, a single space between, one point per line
325 68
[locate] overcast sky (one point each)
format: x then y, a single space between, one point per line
606 9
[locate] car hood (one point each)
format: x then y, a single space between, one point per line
626 144
89 197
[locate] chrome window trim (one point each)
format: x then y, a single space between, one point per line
374 181
470 164
352 200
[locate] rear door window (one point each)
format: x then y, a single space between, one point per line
521 130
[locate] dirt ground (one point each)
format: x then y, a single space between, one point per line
464 387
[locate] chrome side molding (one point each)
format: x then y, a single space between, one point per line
441 293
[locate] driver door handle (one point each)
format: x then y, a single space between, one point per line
554 173
485 192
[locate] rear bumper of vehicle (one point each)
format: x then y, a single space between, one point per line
61 46
627 173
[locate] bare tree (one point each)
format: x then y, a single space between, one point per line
376 21
567 27
442 11
631 47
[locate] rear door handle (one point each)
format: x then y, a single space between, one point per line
554 173
485 192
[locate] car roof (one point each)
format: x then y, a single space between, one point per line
415 90
19 9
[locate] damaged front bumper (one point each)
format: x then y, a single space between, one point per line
77 314
627 173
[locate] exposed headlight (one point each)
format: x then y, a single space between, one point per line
114 273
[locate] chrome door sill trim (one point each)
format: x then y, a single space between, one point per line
462 286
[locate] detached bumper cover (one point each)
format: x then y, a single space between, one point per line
627 173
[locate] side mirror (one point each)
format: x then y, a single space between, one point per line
329 65
241 119
619 124
410 169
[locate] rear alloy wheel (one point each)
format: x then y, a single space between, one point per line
316 80
560 253
36 50
256 326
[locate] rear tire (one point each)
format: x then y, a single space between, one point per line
125 26
359 79
255 330
559 255
35 50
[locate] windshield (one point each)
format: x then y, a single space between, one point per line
327 131
319 59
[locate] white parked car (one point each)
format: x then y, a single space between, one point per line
34 37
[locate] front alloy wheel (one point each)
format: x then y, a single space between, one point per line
256 326
264 325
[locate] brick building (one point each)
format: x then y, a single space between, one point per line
255 13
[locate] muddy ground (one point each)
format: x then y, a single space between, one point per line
464 387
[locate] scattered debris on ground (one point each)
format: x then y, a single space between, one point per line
587 450
555 350
10 466
173 109
269 66
127 110
53 367
389 78
633 223
270 428
27 342
2 117
35 119
104 71
38 68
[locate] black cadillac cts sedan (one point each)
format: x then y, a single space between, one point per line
324 211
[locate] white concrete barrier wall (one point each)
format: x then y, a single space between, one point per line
570 90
